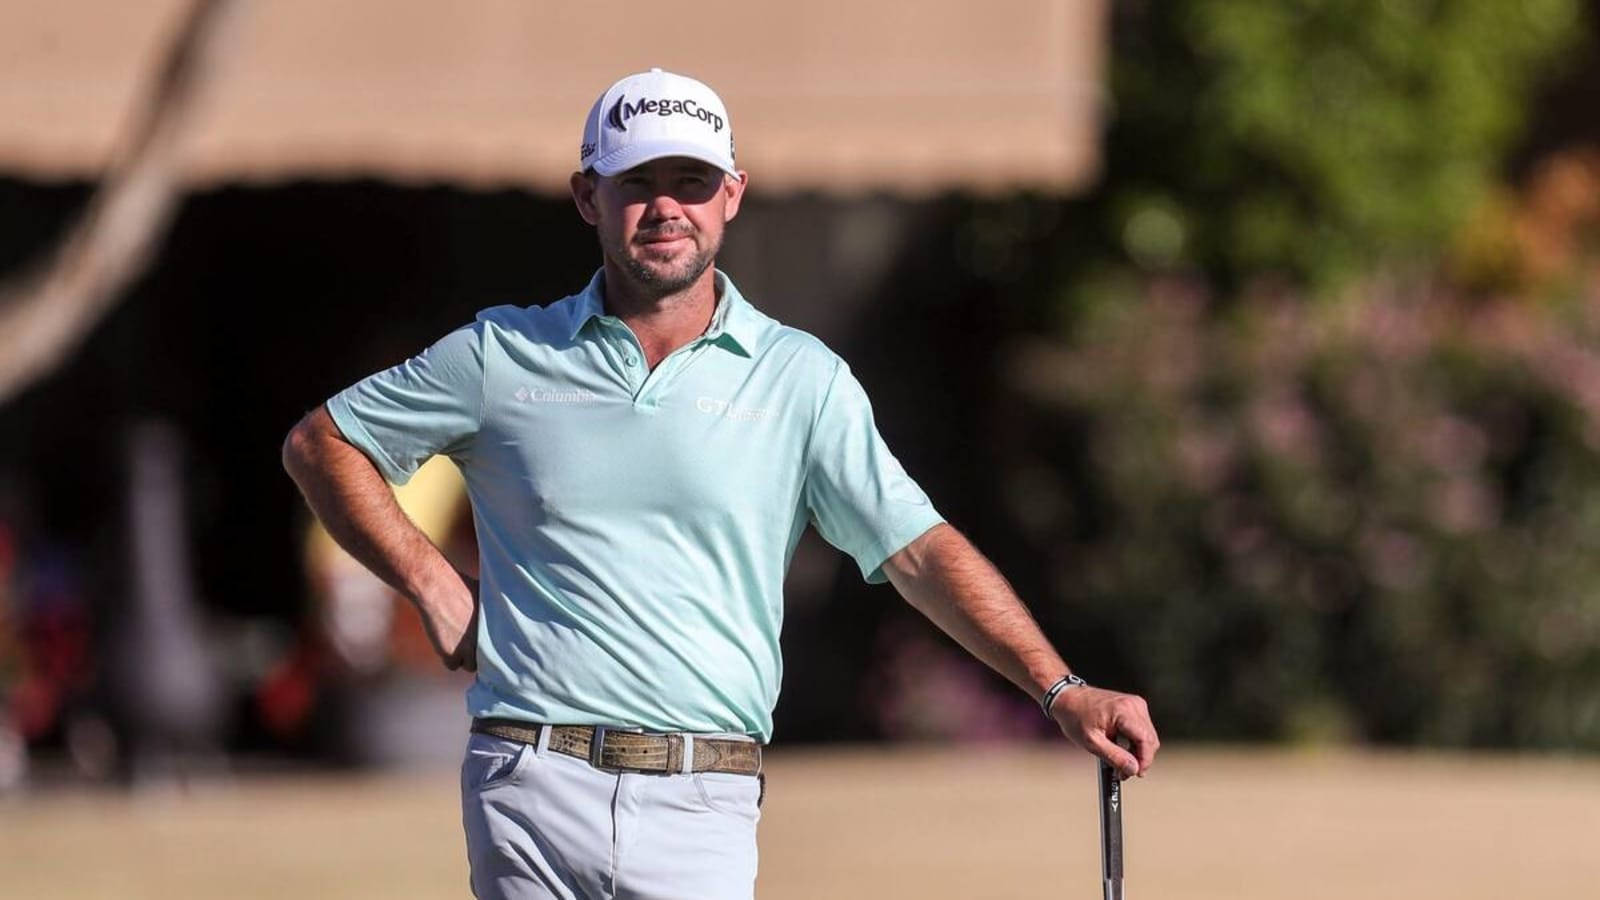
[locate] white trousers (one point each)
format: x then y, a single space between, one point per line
540 824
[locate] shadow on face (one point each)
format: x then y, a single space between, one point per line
686 183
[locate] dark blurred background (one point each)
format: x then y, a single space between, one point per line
1285 413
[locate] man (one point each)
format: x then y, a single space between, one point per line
642 458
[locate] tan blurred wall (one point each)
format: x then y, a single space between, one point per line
837 96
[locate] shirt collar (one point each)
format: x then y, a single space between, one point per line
589 303
734 320
732 323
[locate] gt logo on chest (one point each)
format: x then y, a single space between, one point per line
723 409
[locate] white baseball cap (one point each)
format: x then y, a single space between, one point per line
655 114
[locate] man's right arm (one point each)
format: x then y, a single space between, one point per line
359 510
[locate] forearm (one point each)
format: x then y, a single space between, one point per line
950 582
359 510
946 579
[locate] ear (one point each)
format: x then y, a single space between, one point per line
583 188
734 188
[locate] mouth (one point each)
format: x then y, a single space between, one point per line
657 240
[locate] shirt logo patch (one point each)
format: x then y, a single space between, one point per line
554 395
723 409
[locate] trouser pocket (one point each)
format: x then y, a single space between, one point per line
491 762
737 794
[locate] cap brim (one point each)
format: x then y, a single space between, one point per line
637 154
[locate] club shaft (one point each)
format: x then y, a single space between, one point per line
1110 832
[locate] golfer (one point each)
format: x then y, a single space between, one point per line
642 457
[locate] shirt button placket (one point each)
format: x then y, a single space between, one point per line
623 345
630 359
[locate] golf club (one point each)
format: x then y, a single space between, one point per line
1110 831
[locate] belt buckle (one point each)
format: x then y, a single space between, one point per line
597 743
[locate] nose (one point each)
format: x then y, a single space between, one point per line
662 207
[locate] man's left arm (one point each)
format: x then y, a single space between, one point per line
946 579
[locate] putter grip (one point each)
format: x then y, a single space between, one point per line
1110 831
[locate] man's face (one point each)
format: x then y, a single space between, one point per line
661 221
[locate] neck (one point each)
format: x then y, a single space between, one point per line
661 322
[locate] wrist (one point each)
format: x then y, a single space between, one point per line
438 586
1053 692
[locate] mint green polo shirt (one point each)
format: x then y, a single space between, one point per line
634 526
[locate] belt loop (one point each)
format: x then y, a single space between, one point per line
688 755
544 739
597 743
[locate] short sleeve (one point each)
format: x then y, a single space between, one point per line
431 403
859 497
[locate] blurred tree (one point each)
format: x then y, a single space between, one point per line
1376 519
1314 138
1371 517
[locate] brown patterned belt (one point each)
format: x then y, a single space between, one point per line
631 751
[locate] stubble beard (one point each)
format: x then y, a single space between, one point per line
662 280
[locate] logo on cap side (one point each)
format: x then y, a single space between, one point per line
621 111
614 117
